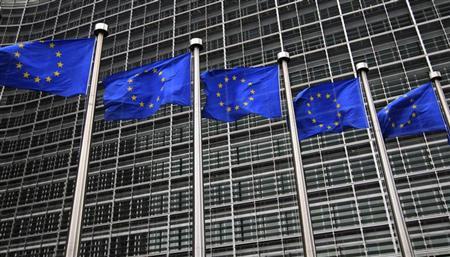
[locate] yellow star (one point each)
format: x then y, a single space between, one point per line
339 114
314 120
48 79
52 45
413 114
411 100
150 106
56 73
141 104
338 106
160 73
409 121
336 123
319 95
21 45
251 98
26 75
60 64
133 97
19 65
252 92
321 125
308 104
17 54
155 70
402 125
250 83
245 103
328 96
163 79
228 109
130 81
328 127
334 100
158 98
242 80
58 54
414 106
234 77
37 79
236 107
220 85
218 94
226 79
309 112
393 124
221 103
311 98
130 89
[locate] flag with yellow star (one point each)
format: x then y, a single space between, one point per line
59 67
413 113
329 108
234 93
140 92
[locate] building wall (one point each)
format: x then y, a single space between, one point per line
139 200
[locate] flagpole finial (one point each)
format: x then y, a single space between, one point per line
283 56
196 42
362 66
435 75
101 28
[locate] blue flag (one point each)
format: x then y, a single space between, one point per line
234 93
139 93
329 108
413 113
59 67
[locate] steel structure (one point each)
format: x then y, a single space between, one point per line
139 191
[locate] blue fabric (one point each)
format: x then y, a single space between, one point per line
60 67
329 108
139 93
234 93
413 113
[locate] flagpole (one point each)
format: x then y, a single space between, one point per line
198 247
74 238
435 77
302 194
400 224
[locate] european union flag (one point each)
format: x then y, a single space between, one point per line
139 93
234 93
329 108
413 113
60 67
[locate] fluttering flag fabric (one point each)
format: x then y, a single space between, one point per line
412 113
329 108
59 67
139 93
234 93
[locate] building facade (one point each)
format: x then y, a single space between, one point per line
139 198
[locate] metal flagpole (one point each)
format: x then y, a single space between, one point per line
302 194
199 230
399 221
73 241
435 76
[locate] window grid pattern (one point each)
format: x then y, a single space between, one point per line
139 190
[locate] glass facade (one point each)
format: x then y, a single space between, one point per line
139 191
